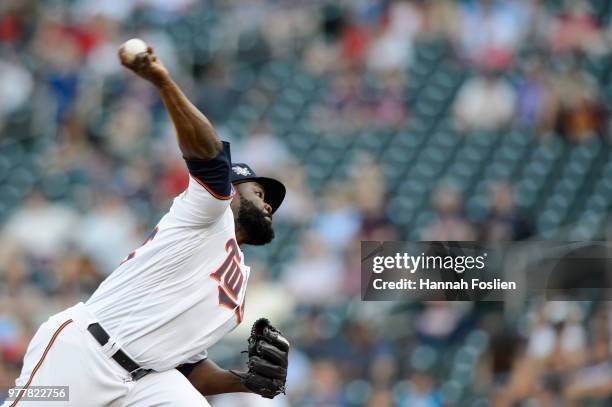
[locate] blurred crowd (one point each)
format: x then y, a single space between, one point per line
562 357
109 167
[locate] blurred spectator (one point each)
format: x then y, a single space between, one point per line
389 101
60 63
116 10
16 86
392 48
450 223
421 392
576 29
314 277
346 108
299 204
41 228
264 152
579 116
557 367
321 57
541 342
77 276
501 27
536 99
440 322
485 102
369 195
443 19
383 370
382 398
504 222
127 129
594 379
338 221
354 41
388 52
107 232
325 385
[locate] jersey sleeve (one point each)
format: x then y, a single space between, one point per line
209 192
214 174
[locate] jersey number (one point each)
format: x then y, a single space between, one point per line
230 279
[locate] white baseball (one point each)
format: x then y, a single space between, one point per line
133 47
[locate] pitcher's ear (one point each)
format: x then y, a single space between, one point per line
236 193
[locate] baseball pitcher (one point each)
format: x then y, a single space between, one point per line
141 339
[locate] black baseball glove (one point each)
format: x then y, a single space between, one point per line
268 359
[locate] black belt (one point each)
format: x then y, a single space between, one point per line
135 371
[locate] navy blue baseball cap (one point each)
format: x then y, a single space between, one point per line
274 189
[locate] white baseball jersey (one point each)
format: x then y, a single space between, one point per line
183 289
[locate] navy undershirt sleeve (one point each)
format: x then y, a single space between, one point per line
187 368
214 174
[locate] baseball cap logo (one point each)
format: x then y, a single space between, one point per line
241 171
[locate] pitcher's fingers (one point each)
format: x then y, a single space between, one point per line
141 62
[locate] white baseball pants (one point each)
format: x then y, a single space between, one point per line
64 353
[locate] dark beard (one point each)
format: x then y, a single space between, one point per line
253 224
